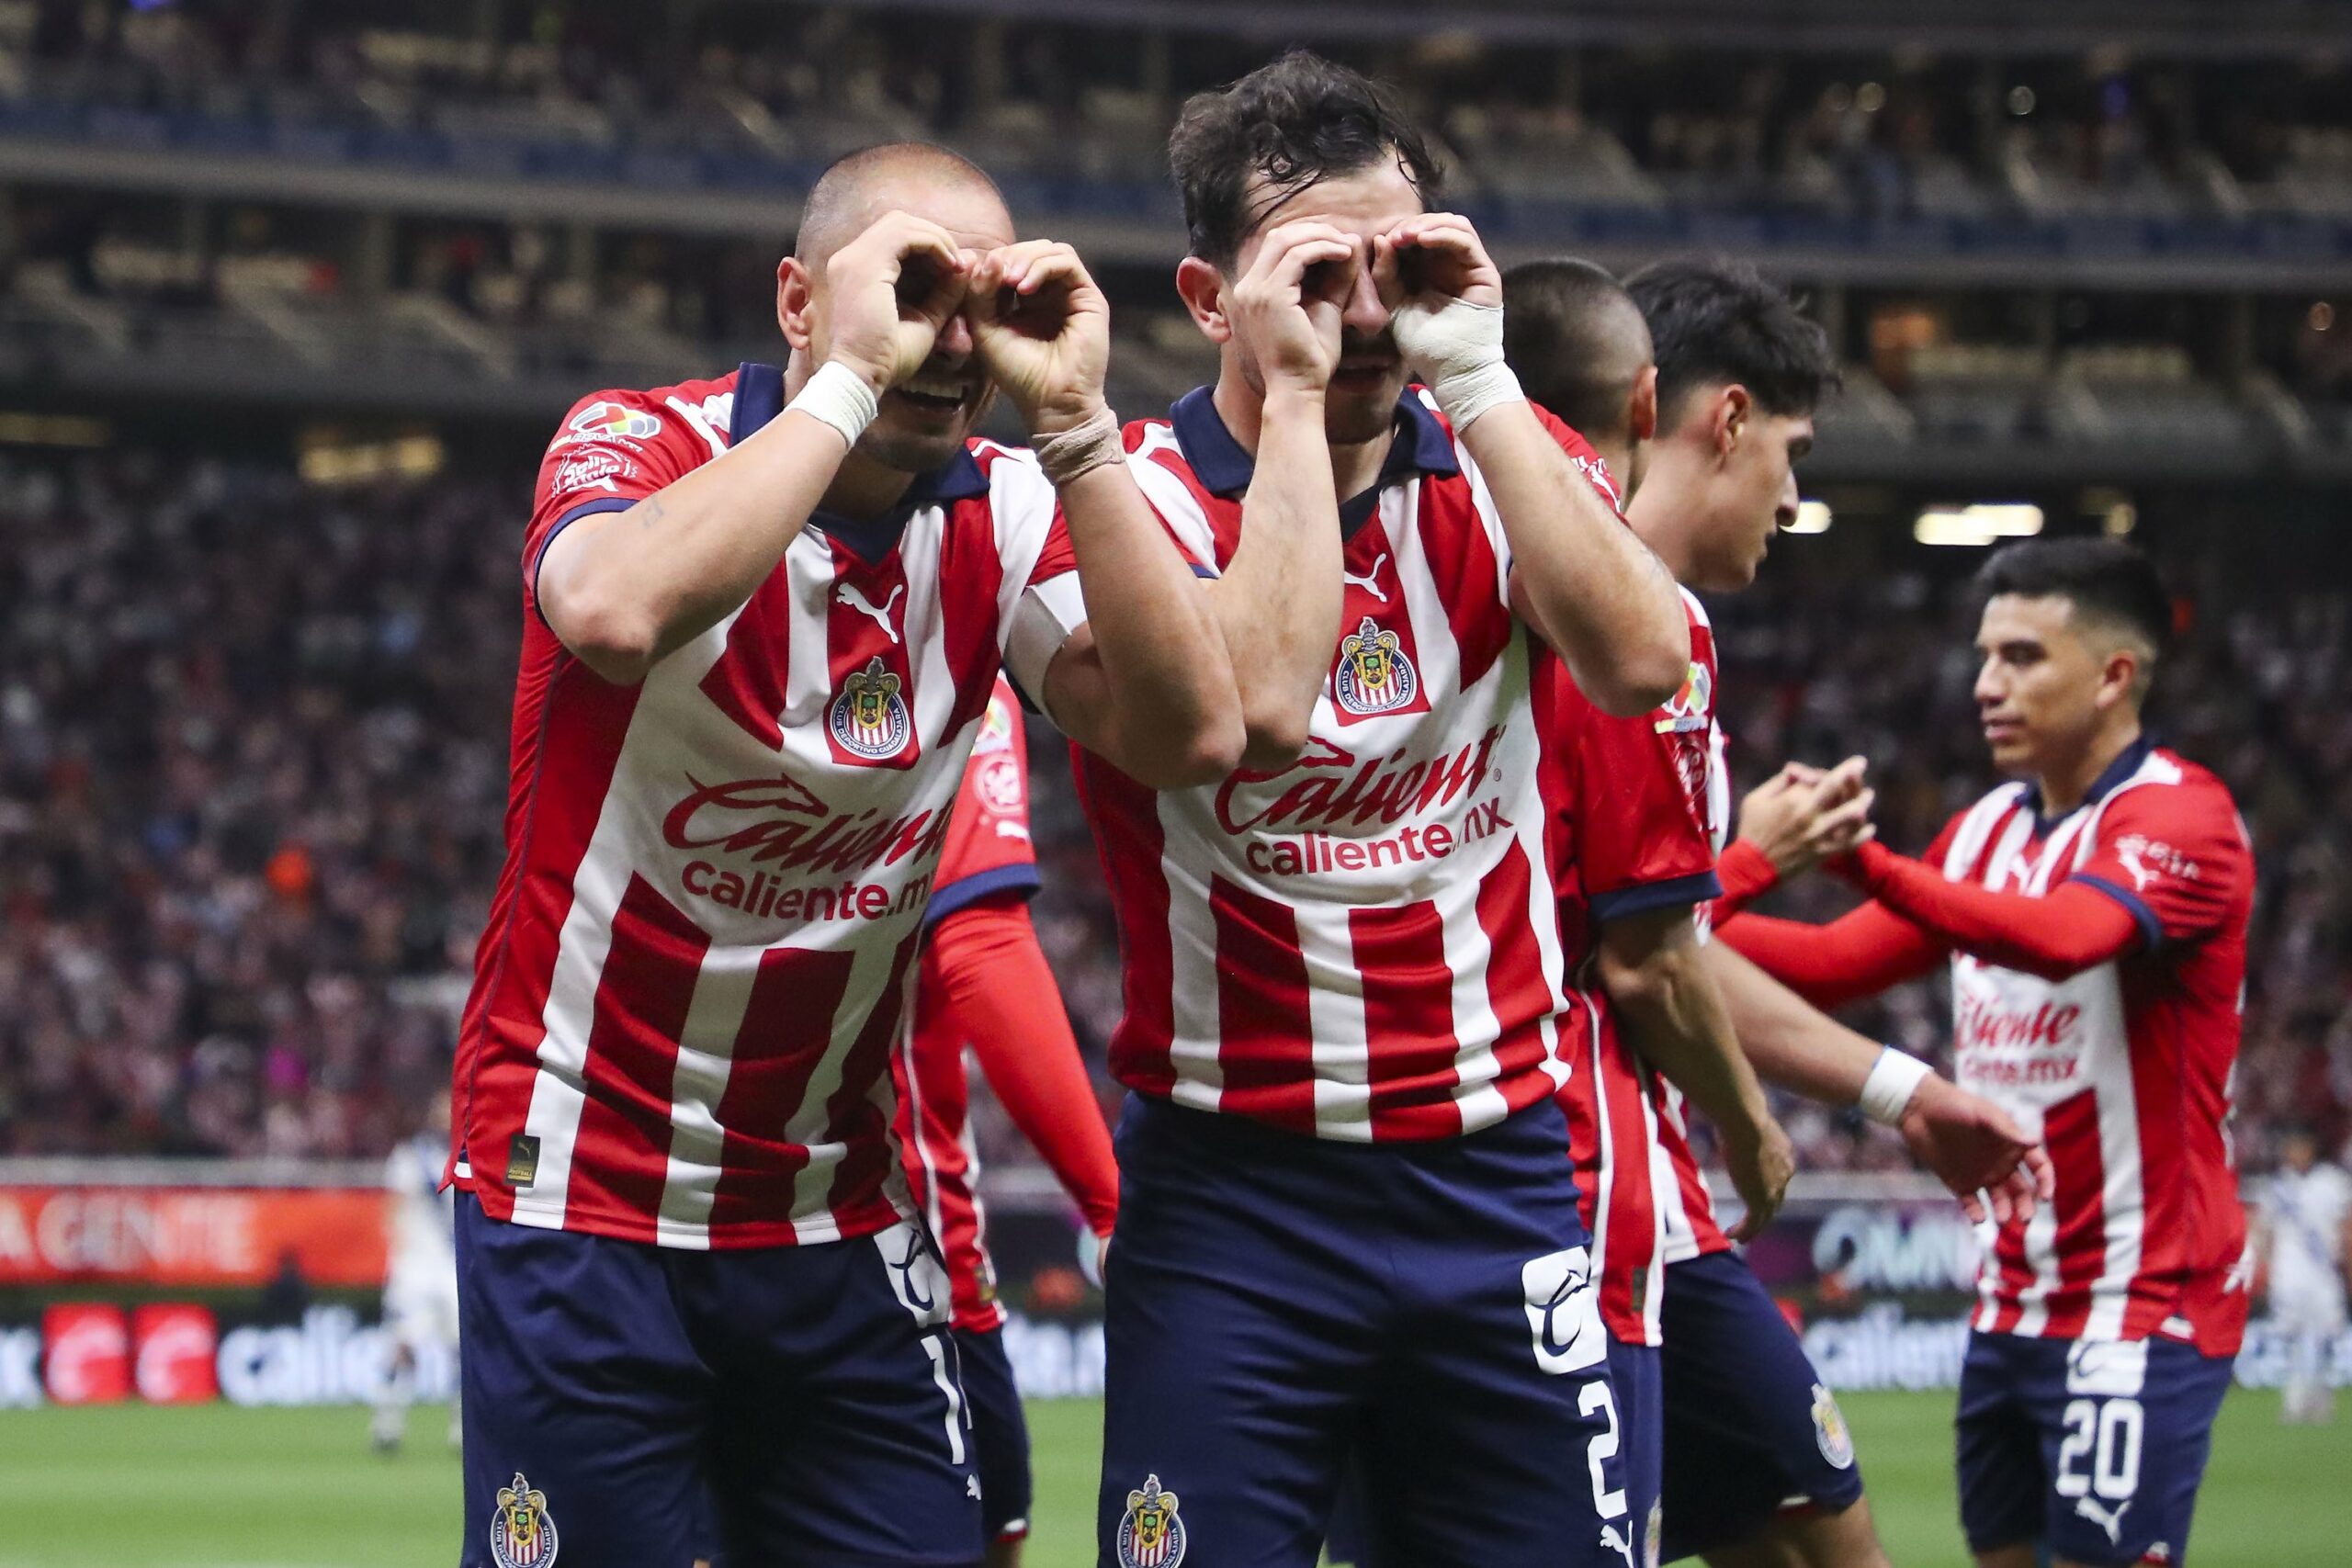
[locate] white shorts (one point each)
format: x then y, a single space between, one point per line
421 1311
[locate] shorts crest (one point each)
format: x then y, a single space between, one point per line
522 1531
1151 1536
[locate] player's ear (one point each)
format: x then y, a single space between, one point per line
1734 410
1202 287
2118 677
1641 413
795 295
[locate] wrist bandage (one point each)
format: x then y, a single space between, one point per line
838 396
1893 1080
1082 449
1457 351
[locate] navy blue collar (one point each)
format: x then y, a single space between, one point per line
759 398
2111 778
1422 448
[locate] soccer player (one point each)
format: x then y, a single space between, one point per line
2093 915
2305 1231
1344 1224
763 615
983 984
421 1287
1747 1434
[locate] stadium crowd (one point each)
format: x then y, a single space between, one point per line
251 788
1836 132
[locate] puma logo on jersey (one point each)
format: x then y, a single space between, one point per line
1614 1538
2112 1523
1370 581
865 606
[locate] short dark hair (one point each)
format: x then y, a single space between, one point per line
1566 322
1715 321
1293 122
2105 578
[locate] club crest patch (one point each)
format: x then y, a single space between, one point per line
522 1531
1374 675
869 717
1152 1535
1829 1428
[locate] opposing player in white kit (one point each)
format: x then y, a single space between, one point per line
421 1283
2305 1219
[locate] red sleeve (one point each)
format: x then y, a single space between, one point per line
2176 857
1856 955
2073 928
615 450
1639 819
1746 874
988 848
998 992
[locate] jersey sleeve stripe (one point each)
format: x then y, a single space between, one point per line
1696 888
2152 929
585 508
965 891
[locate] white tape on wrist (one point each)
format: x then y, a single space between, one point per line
1082 449
838 396
1895 1078
1457 351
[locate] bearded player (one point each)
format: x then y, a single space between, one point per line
1345 1227
1705 426
2094 916
762 617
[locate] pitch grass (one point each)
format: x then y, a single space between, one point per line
215 1487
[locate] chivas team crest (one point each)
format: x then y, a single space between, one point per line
522 1531
1829 1429
1151 1536
1374 675
869 717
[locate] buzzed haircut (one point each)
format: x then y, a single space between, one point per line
2105 579
842 187
1287 124
1716 322
1577 342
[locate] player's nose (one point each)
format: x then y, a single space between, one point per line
1363 314
954 339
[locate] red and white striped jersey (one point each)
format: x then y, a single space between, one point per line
2124 1068
1686 1209
683 1000
988 852
1361 946
1626 801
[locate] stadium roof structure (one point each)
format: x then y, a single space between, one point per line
2210 30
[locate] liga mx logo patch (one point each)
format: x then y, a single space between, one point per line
869 719
1374 675
613 422
522 1531
1152 1535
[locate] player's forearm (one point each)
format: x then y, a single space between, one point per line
1746 874
1787 1039
1592 589
624 589
2071 929
1005 1000
1856 955
1278 601
1674 1016
1170 714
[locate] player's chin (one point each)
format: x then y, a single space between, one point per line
1360 405
914 438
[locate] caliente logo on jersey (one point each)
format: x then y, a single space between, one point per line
1151 1536
522 1531
869 717
1374 674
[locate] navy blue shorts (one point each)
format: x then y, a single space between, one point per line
1751 1427
1280 1306
1000 1434
2094 1448
810 1394
1638 1373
